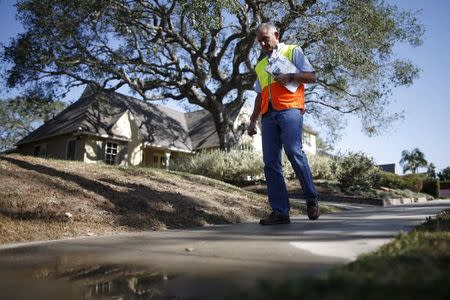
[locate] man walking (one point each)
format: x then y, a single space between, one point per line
282 121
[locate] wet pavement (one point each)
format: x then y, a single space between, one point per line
202 263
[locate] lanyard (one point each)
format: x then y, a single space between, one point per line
268 86
275 54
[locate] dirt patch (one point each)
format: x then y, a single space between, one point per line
50 199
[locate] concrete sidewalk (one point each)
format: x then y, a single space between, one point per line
225 258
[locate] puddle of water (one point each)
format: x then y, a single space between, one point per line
115 282
119 282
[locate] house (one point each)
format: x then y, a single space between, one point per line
388 167
121 130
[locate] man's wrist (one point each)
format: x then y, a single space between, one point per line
291 76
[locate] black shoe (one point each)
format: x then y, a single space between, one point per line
312 208
275 218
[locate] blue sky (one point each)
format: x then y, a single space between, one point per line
425 103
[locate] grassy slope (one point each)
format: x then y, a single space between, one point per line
36 194
413 266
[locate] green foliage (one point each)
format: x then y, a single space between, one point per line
412 161
444 175
390 180
431 172
413 182
21 115
440 223
206 15
230 166
431 186
240 165
323 145
413 266
322 167
288 171
357 170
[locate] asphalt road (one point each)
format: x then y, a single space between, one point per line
201 262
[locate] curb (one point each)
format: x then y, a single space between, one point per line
370 201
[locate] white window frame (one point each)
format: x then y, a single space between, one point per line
110 153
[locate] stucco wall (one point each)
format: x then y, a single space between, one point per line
126 127
56 147
123 126
129 153
26 149
94 150
95 147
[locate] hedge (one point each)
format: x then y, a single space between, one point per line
356 169
414 182
445 185
431 187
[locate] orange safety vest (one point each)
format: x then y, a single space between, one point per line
280 97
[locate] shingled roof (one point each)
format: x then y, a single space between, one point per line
95 113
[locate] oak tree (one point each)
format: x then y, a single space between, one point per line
204 52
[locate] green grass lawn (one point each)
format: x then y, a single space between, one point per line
413 266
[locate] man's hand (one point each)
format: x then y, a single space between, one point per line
303 77
284 78
251 129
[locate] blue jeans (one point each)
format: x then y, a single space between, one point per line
284 129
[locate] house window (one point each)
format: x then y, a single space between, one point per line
110 153
71 145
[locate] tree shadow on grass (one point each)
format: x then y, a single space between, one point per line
139 207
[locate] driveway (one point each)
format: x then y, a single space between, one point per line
180 264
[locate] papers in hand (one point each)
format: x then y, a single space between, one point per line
281 65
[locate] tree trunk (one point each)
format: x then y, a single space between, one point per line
223 122
221 118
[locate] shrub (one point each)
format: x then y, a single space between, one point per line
444 185
357 170
231 166
322 167
238 165
288 171
431 187
413 182
391 180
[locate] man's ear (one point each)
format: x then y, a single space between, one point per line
277 35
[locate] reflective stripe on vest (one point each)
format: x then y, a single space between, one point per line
280 97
